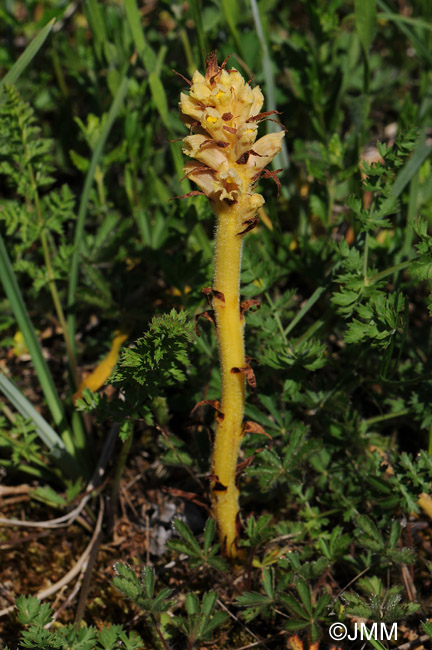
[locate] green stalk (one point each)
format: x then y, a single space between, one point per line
386 416
82 211
51 280
188 51
389 271
119 472
365 260
80 440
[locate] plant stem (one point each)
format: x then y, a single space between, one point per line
79 443
158 638
51 281
229 328
188 51
365 260
99 178
118 473
389 271
275 313
331 188
386 416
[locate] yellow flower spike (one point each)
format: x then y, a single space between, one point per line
223 112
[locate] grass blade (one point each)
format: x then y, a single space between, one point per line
46 433
415 22
159 97
312 299
79 231
146 53
152 64
421 152
27 56
202 37
304 310
19 309
374 642
229 9
365 13
282 159
97 25
418 44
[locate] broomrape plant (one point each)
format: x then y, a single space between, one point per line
223 113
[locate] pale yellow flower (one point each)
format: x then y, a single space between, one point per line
223 112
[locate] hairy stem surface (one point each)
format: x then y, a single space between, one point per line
229 327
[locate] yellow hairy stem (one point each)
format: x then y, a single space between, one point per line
229 329
223 114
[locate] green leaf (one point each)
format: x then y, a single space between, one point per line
422 151
97 24
253 599
31 610
427 626
365 13
371 537
159 97
294 606
294 626
304 593
188 536
268 583
209 533
322 604
395 532
27 56
148 580
192 603
47 494
209 602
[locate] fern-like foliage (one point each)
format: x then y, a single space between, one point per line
157 360
26 163
24 155
35 615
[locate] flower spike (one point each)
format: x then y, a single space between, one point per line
223 112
